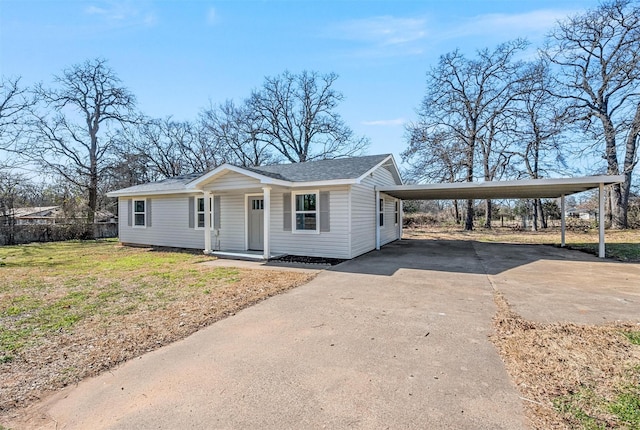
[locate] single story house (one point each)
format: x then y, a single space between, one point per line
326 208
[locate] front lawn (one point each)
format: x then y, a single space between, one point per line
69 310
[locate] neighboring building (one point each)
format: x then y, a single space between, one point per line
41 215
48 215
327 208
583 214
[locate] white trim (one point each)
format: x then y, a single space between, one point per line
294 211
377 220
133 213
266 246
601 251
531 188
196 211
207 221
198 182
563 222
379 165
122 193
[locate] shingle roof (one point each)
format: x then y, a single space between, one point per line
311 171
321 170
176 183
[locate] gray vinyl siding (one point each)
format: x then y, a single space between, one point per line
388 232
232 218
233 181
169 227
363 213
332 244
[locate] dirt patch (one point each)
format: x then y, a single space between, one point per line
103 341
571 376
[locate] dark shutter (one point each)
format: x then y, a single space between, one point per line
324 211
286 211
129 212
148 213
192 208
216 212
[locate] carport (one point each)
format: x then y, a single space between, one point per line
521 189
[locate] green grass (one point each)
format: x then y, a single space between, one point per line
632 336
586 410
49 288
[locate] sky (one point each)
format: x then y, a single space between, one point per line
177 57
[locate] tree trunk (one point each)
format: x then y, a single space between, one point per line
543 218
456 211
618 210
534 223
487 220
468 224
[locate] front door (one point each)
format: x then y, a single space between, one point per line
256 223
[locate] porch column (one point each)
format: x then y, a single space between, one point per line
601 252
563 222
207 223
267 221
377 220
401 209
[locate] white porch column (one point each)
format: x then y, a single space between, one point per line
377 220
207 223
267 222
563 222
401 208
601 252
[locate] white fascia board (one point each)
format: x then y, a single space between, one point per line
148 193
377 166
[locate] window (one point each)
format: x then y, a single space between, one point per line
200 212
381 208
397 212
306 212
139 213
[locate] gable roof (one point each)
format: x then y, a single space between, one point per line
321 170
337 171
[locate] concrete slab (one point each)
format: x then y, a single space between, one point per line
548 284
394 339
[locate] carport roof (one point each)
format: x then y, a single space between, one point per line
532 188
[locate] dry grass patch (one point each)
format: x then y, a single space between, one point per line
74 309
572 376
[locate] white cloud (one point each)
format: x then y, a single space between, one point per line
123 13
531 24
212 16
382 30
386 122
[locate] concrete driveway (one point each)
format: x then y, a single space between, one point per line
393 339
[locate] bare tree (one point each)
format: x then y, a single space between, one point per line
539 128
69 133
465 100
234 131
14 106
298 117
433 157
155 149
598 59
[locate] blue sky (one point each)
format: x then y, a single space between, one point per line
176 56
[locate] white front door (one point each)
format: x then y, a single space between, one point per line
255 219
